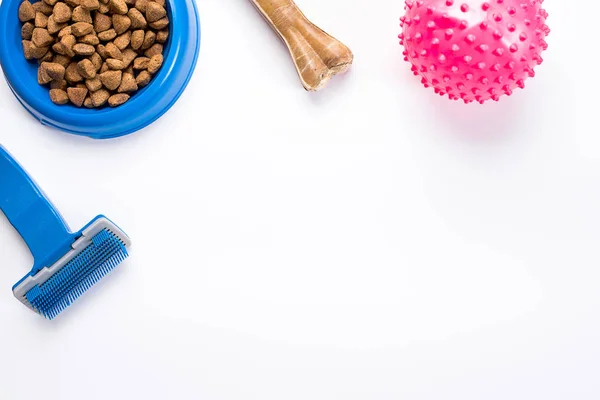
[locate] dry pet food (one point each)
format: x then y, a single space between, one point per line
93 53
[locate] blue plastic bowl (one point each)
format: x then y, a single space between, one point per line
145 106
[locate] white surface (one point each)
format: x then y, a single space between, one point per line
372 241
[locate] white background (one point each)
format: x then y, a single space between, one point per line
372 241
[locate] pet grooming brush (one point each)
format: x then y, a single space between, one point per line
66 264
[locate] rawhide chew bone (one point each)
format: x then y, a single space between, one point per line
317 55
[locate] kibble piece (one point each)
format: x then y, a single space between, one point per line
81 28
138 21
115 64
90 5
107 35
83 49
157 48
128 84
118 6
59 96
44 8
111 79
31 51
26 11
96 61
77 95
137 39
62 13
62 60
102 22
162 36
41 20
53 26
64 32
149 40
155 11
121 23
128 70
41 37
27 31
117 99
86 69
62 85
51 2
104 68
101 50
65 46
72 74
100 97
155 63
123 41
160 24
87 103
113 51
104 9
80 14
143 78
54 71
93 84
128 56
47 57
161 2
90 39
141 63
141 5
73 3
43 77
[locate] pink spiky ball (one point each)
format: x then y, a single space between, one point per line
474 50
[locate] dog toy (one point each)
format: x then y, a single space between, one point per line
65 264
474 50
317 55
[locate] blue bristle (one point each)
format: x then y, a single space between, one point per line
104 253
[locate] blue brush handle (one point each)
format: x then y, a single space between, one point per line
29 211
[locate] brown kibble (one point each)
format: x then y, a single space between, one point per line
43 77
141 5
155 63
65 46
64 32
51 2
149 39
81 86
111 79
121 23
155 11
100 97
87 103
27 31
81 28
83 49
53 26
115 64
137 39
113 51
123 41
86 69
160 24
141 63
41 20
154 50
41 37
96 61
44 8
62 13
138 21
26 11
31 51
73 3
59 96
77 95
72 74
90 39
107 35
118 6
162 36
128 70
93 84
104 68
104 9
128 56
102 22
54 70
62 60
62 85
101 49
104 1
161 2
118 99
47 57
90 5
128 84
143 78
80 14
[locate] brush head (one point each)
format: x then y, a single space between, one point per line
98 249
